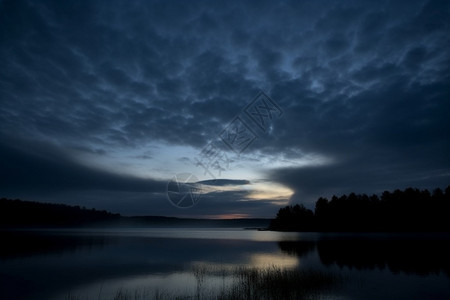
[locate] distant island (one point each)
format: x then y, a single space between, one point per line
29 214
410 210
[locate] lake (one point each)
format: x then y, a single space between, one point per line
221 263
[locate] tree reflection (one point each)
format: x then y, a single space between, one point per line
298 248
410 256
422 256
25 243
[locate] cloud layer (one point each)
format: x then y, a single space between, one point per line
364 87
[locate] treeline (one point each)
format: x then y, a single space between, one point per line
410 210
18 213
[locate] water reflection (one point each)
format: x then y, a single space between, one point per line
44 265
411 255
264 260
421 257
298 248
16 244
38 264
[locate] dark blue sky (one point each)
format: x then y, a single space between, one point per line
103 102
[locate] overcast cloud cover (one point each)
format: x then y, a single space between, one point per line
101 101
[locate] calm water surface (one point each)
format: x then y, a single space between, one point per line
101 264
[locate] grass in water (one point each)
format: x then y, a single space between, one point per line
278 283
246 283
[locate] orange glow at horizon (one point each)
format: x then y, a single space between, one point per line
227 216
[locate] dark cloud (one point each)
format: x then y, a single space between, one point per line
45 167
224 182
363 85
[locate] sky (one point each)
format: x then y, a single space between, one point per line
255 104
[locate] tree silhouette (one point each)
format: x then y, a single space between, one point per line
410 210
293 218
18 213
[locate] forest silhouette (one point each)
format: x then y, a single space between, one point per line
410 210
18 213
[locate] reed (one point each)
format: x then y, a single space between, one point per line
246 283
